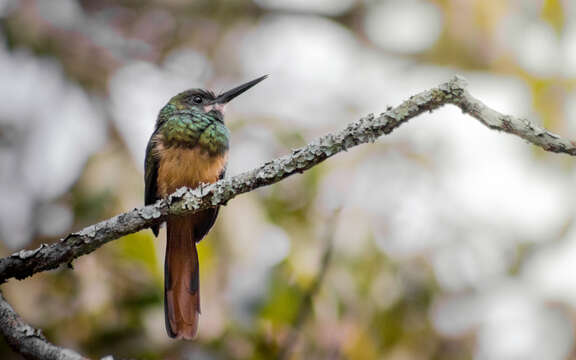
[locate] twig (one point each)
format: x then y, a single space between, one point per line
305 308
28 341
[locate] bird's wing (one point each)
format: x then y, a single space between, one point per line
207 218
151 179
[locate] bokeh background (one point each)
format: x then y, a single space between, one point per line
444 240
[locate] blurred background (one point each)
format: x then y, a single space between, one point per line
444 240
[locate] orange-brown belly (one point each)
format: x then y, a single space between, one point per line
187 167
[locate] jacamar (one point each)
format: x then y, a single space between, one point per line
189 146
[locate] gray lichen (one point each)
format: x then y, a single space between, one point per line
186 201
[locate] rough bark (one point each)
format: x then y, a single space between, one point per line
367 129
28 341
186 201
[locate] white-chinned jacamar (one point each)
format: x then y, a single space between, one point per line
189 146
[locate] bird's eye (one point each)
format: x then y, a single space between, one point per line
197 99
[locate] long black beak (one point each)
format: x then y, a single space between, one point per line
231 94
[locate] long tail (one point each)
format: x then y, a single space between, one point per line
181 279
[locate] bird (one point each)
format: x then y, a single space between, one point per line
188 147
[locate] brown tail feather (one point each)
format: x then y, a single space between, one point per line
181 279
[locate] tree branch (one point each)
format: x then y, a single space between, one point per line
187 201
28 341
521 127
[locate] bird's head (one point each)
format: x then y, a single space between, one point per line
206 101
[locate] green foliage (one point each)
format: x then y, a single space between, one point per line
139 247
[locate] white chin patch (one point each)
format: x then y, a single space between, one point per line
217 107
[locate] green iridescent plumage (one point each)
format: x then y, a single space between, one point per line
191 127
188 147
182 123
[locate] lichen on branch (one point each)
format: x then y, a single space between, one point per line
187 201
